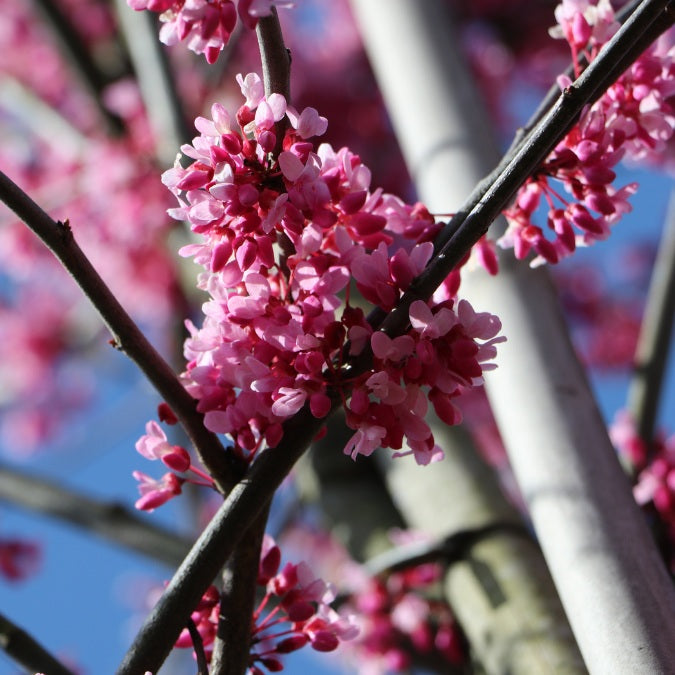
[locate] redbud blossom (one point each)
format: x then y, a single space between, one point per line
633 119
275 327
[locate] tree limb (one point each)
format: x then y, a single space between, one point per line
652 352
111 521
247 499
94 79
160 98
127 337
27 651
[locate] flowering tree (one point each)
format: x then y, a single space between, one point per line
337 314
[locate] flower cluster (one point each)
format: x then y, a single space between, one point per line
402 617
397 620
654 488
294 612
206 25
155 445
634 118
283 235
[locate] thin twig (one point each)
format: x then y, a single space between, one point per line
27 651
247 498
198 646
127 337
656 28
80 57
109 520
652 352
445 551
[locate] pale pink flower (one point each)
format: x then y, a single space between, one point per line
154 445
365 441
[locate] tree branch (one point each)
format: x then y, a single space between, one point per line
247 499
237 600
652 352
651 23
127 337
109 520
581 506
481 209
27 651
91 75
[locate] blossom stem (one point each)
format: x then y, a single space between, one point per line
127 337
202 474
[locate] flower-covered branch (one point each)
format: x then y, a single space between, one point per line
126 336
217 189
27 651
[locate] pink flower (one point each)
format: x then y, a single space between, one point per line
154 493
365 441
154 445
308 123
428 324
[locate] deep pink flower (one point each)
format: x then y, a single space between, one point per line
154 492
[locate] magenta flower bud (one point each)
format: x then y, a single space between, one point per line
273 665
292 643
166 415
178 460
325 641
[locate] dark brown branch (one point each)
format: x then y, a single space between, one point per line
127 337
237 603
276 66
553 93
657 328
27 651
248 498
198 645
664 19
111 521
